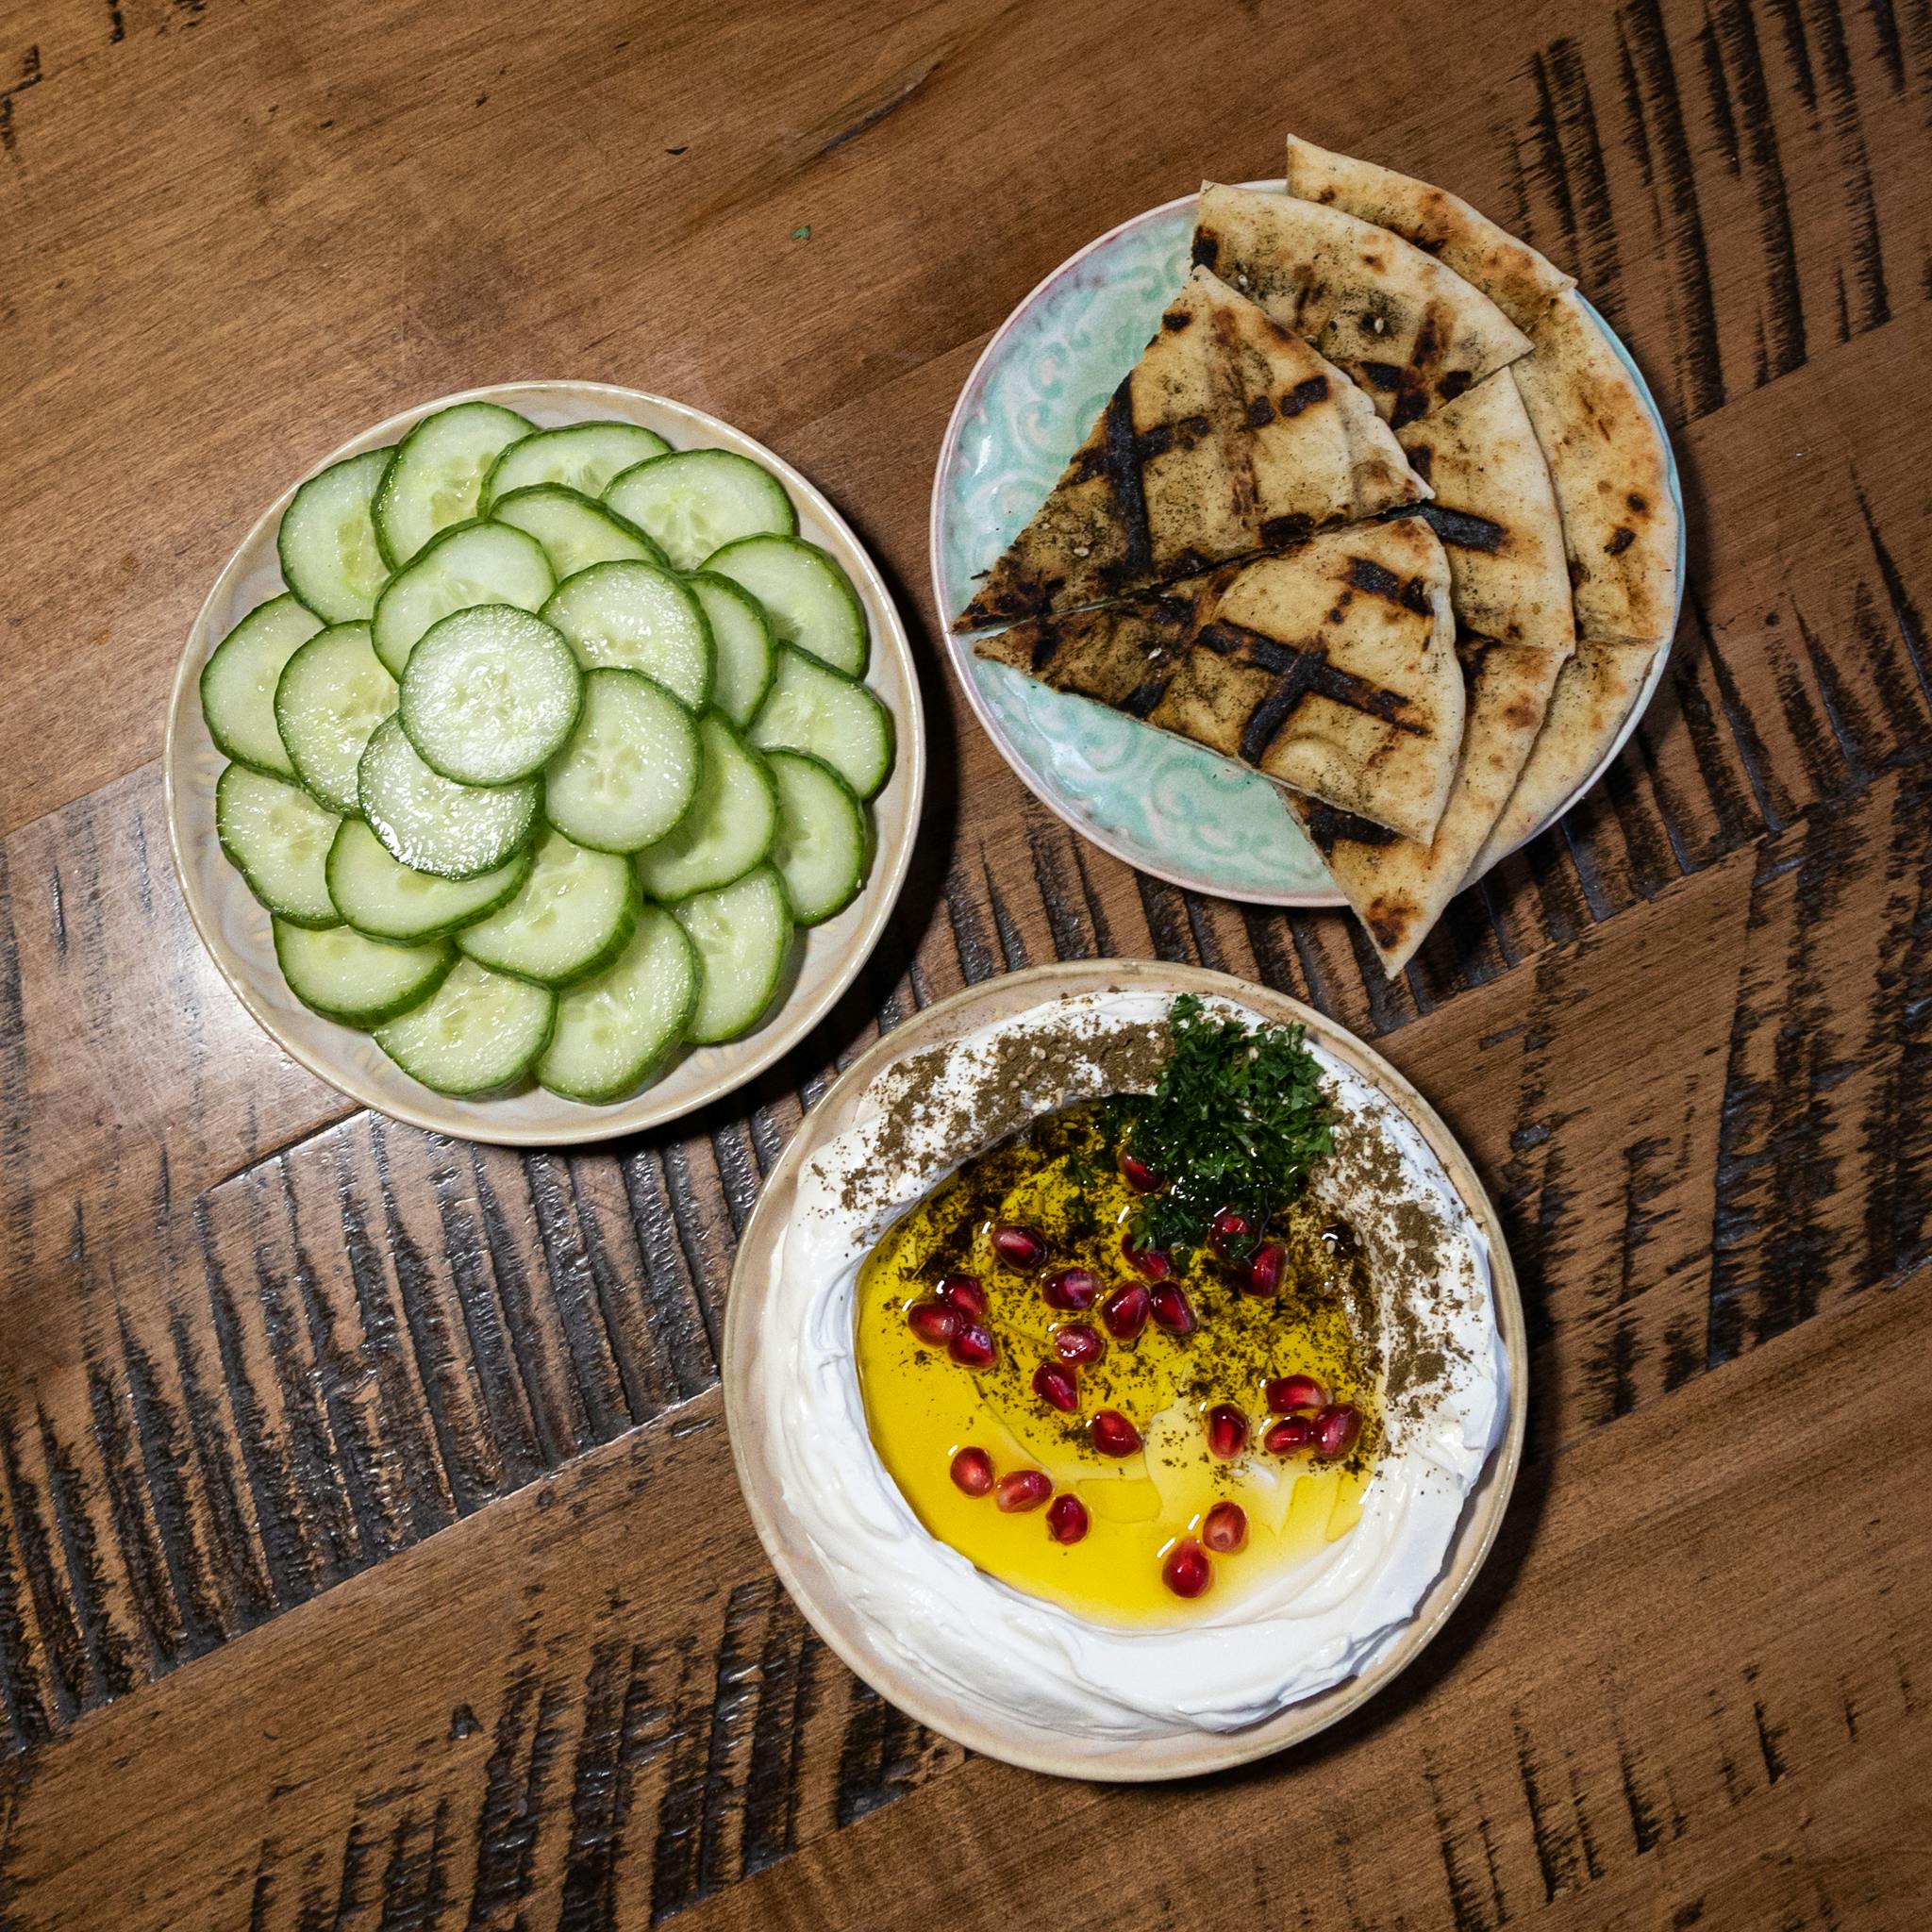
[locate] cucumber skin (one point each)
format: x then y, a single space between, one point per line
364 1021
787 948
486 493
353 809
227 751
731 587
523 862
846 586
884 709
647 1069
233 857
865 843
389 475
385 450
503 1085
654 554
607 955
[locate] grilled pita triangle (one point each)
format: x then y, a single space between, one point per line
1495 510
1399 887
1414 334
1510 273
1230 436
1331 669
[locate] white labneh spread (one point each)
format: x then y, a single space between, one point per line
1015 1658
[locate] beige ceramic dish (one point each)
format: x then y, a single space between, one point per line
798 1564
236 931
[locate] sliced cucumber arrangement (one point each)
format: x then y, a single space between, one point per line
571 918
237 683
693 502
730 825
612 1031
637 617
359 981
333 693
489 694
820 851
478 1032
629 771
434 824
387 900
436 475
809 599
575 532
473 563
327 543
554 740
581 456
277 837
743 934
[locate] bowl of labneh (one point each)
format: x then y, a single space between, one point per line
1124 1370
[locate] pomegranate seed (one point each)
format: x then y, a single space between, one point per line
1157 1264
1228 1431
1125 1311
1337 1429
964 1292
1227 1228
1078 1344
1066 1520
1137 1174
1286 1393
1290 1437
1187 1571
1055 1383
1113 1434
1262 1275
933 1321
973 1346
973 1472
1224 1528
1070 1290
1018 1247
1170 1307
1022 1488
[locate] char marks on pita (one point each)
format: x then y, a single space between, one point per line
1510 273
1230 436
1411 332
1331 669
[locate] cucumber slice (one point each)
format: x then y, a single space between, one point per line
694 501
581 456
434 824
489 694
333 693
237 683
575 532
395 903
636 617
743 653
833 719
330 558
630 769
360 982
479 1031
614 1029
473 563
808 598
277 837
435 474
743 933
574 915
820 852
727 830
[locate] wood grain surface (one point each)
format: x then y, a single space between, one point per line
369 1554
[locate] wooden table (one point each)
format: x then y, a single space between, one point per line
369 1554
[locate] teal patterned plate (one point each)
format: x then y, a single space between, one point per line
1167 808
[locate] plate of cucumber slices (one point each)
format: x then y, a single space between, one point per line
545 764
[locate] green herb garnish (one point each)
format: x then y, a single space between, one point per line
1237 1121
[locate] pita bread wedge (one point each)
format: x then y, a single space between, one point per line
1412 333
1610 466
1510 273
1229 436
1398 887
1594 693
1331 669
1495 510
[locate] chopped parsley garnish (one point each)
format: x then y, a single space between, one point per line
1237 1121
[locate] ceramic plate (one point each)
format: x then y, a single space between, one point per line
236 931
812 1585
1170 808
